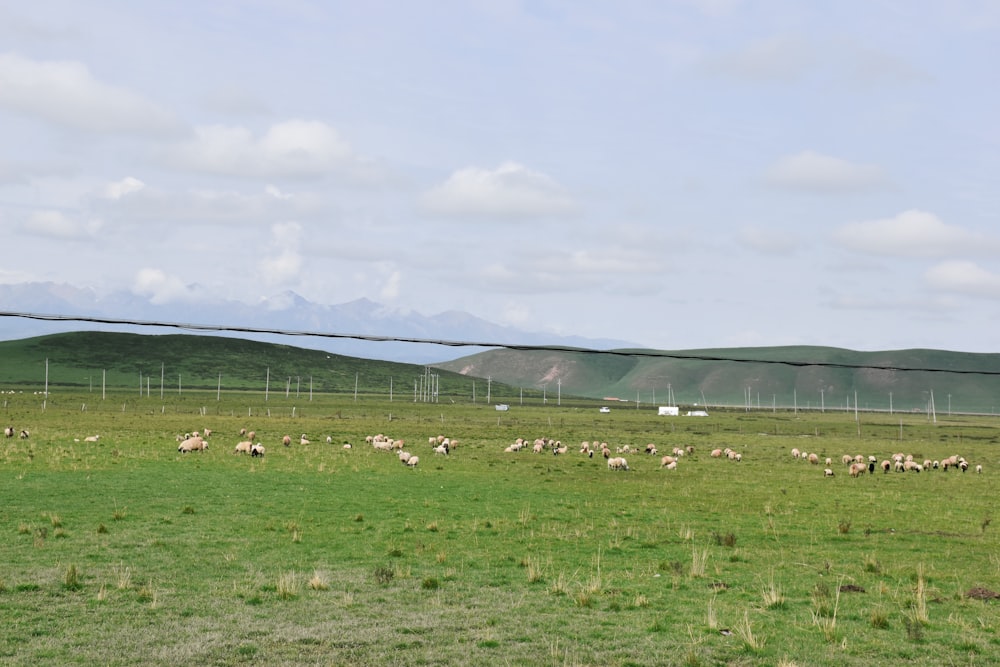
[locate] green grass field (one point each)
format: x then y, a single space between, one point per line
125 552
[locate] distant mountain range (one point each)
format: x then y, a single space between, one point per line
287 311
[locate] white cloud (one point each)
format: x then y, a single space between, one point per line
810 171
390 286
964 277
291 149
119 189
65 92
511 190
57 225
913 234
160 287
769 241
283 263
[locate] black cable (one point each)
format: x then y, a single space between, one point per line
506 346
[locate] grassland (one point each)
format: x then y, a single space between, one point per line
125 552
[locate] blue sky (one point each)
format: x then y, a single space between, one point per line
682 173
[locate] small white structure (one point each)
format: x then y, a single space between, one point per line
605 409
502 407
697 413
668 410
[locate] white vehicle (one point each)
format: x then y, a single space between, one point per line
605 409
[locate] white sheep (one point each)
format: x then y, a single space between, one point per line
303 440
672 465
795 452
441 449
413 461
192 444
716 453
403 456
617 463
814 459
286 441
243 447
257 450
92 438
828 472
667 460
329 439
857 469
9 431
979 468
24 434
348 445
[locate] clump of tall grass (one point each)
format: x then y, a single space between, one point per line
774 597
288 586
319 581
123 576
920 614
71 579
744 630
699 560
871 564
711 616
824 618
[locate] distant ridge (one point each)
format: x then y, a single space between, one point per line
799 377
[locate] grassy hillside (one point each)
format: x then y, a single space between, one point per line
88 359
809 377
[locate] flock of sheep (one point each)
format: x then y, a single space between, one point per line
858 464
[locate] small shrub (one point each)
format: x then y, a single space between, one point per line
383 575
359 518
101 529
744 630
844 526
430 584
698 562
187 509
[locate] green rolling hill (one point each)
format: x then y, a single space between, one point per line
802 376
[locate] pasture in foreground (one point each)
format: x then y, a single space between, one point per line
125 552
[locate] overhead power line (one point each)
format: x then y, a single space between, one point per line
658 354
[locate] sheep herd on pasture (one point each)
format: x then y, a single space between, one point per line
858 464
855 465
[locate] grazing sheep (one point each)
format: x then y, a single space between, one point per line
251 435
716 454
672 465
441 449
560 450
24 434
347 445
617 463
9 431
979 468
92 438
303 440
857 469
243 432
828 462
690 449
257 450
192 444
413 461
813 459
795 452
287 441
667 460
885 465
846 459
243 447
828 472
963 465
403 456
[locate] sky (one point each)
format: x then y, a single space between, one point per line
684 174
